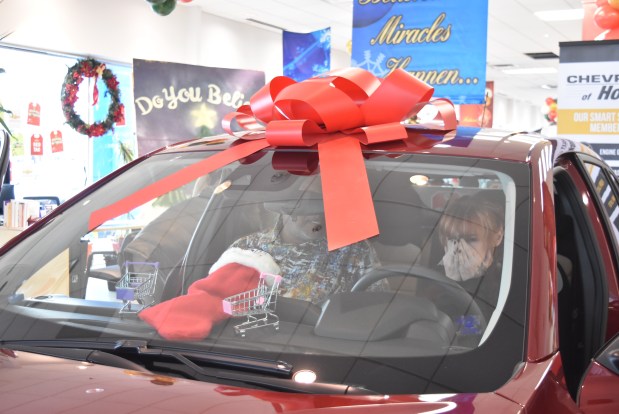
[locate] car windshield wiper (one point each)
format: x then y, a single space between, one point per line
131 347
276 375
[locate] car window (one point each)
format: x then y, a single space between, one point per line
602 181
437 292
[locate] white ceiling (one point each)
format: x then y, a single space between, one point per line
513 30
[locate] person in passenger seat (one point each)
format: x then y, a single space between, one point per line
298 245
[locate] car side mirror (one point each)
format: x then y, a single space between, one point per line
598 390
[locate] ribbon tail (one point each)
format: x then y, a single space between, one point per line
95 93
175 180
349 210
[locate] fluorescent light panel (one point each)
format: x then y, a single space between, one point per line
560 15
530 71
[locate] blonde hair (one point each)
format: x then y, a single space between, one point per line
466 211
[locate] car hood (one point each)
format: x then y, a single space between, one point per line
37 383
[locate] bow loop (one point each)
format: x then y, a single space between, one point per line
262 102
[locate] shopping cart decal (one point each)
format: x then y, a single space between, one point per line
137 288
257 304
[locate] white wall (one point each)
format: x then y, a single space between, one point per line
516 115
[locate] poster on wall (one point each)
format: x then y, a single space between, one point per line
306 54
442 42
588 98
176 102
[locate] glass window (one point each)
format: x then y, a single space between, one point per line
417 308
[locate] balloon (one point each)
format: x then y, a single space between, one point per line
552 115
612 34
549 101
614 4
553 106
606 17
155 1
602 2
185 1
164 8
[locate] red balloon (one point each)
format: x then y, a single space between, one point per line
189 1
601 2
612 34
606 17
552 116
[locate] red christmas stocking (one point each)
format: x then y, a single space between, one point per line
192 316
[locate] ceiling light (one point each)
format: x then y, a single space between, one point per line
560 15
530 71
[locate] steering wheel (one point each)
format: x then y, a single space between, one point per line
452 295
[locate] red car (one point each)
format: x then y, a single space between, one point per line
214 277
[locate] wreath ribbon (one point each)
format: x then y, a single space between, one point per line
338 112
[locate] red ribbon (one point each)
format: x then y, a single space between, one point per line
339 112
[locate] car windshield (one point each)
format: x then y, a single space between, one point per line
236 261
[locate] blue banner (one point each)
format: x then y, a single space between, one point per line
307 54
442 42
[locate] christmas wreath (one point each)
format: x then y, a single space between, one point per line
91 68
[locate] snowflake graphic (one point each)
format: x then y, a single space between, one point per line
374 66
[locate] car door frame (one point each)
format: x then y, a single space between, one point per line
597 389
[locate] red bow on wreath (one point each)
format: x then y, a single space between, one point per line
339 112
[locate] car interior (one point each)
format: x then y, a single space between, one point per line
185 245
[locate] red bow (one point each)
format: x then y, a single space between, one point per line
338 112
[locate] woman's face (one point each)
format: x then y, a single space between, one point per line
469 252
477 238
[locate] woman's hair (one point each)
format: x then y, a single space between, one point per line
468 210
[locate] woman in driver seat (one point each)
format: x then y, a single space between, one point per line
471 233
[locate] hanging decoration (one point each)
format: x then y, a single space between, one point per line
606 17
56 141
91 68
550 110
36 144
163 7
34 114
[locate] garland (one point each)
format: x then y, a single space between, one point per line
91 68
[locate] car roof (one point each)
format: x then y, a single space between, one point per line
465 141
